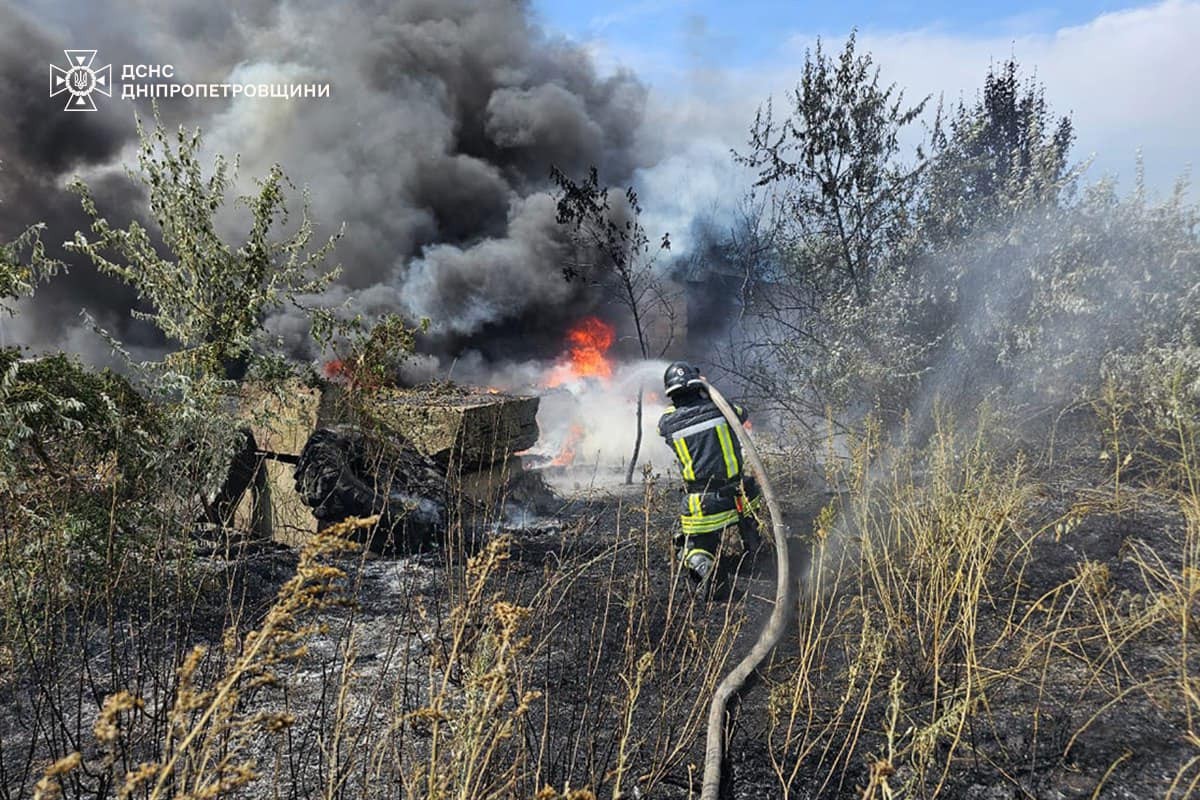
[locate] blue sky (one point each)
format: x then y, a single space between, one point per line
745 33
1126 73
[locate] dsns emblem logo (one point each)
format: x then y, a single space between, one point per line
79 80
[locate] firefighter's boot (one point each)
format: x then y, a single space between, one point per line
701 567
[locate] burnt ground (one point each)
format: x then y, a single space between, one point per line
1094 712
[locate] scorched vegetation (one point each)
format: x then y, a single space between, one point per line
979 377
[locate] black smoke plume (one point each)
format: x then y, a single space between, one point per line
434 148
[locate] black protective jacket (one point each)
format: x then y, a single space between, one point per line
708 452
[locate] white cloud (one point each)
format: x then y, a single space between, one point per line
1128 79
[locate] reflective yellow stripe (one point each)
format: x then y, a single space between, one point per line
708 526
695 550
694 505
685 459
707 523
731 462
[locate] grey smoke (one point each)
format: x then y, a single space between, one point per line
434 148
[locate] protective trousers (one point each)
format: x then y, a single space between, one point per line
707 513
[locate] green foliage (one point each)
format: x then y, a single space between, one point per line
832 166
993 158
101 479
988 272
55 405
82 479
383 350
822 246
19 278
103 482
375 354
207 296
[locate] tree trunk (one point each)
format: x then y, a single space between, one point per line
637 442
641 337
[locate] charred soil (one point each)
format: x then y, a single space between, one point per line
965 628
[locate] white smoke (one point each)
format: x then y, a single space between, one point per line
596 420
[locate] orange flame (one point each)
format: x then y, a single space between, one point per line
566 456
587 345
335 368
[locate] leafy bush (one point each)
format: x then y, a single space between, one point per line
18 279
208 297
984 272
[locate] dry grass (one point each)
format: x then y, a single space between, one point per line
927 651
584 675
905 565
944 637
208 747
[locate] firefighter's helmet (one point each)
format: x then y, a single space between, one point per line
681 375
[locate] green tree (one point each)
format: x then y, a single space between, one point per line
206 295
996 237
23 265
19 276
837 190
993 157
842 195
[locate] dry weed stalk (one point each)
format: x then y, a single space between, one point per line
476 697
904 570
920 568
207 746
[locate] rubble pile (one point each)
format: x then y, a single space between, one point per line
324 455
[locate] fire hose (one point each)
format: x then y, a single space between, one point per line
771 633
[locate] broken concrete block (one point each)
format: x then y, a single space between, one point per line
281 421
273 509
463 430
460 428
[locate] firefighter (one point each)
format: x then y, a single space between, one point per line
718 495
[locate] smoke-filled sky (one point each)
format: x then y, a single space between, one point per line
445 116
434 146
1126 72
